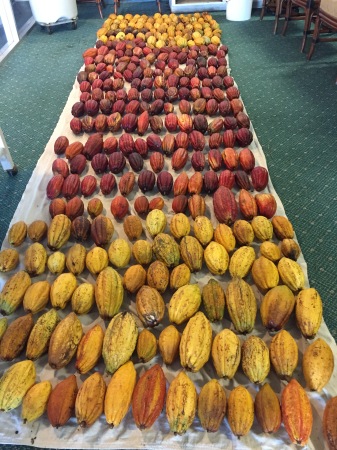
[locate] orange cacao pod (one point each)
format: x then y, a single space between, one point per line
329 423
61 402
148 397
247 204
296 412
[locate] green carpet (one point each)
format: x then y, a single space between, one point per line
291 103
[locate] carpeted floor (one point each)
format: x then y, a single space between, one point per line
291 103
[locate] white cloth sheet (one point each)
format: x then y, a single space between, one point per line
34 205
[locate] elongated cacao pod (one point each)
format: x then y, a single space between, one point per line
225 206
296 412
119 394
89 403
148 397
61 402
240 411
181 403
267 409
329 423
211 405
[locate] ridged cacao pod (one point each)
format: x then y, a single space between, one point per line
164 182
107 183
117 162
260 178
225 206
146 180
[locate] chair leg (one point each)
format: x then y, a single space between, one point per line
307 22
315 37
278 11
264 6
99 8
287 17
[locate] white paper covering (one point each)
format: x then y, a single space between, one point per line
34 205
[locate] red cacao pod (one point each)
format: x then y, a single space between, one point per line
164 182
146 180
107 183
227 179
225 206
119 207
260 178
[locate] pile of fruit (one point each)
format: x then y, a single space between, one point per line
161 219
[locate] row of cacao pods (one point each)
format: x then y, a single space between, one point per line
61 338
147 397
202 100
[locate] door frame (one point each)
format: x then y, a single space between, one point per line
11 32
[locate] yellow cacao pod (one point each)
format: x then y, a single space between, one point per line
181 403
240 411
223 234
119 253
150 306
216 258
211 405
203 229
270 251
142 252
89 349
262 227
283 228
241 262
309 312
166 250
88 411
119 394
155 222
283 354
291 274
96 260
318 364
59 231
184 303
109 292
36 297
9 259
276 307
158 276
134 278
13 292
191 253
180 276
255 359
180 226
195 343
83 298
213 298
241 305
243 232
265 274
17 233
168 343
226 353
146 346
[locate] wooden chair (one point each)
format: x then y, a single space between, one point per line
309 8
277 7
99 4
326 23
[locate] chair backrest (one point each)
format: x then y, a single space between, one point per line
329 7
